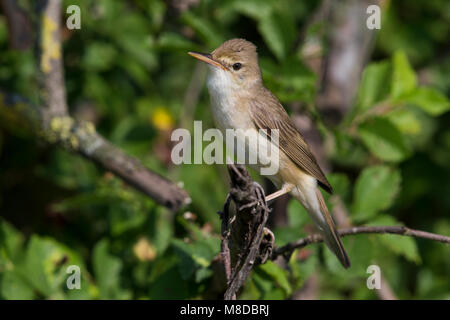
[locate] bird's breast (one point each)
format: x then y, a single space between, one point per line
228 103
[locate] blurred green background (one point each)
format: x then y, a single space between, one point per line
127 71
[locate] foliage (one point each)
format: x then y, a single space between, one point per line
127 71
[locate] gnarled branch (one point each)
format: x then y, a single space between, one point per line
243 240
51 121
246 242
399 230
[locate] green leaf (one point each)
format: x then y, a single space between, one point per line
205 30
361 252
11 242
167 282
277 30
402 245
107 270
374 84
375 190
255 9
193 256
99 56
278 274
405 120
339 182
404 79
14 287
172 41
383 139
297 214
429 100
42 267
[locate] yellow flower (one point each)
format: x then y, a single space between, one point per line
162 120
144 250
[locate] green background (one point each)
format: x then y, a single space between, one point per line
127 71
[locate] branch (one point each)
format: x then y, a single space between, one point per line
349 44
246 242
399 230
243 242
50 60
52 122
81 137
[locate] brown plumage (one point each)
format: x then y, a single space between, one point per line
291 140
240 101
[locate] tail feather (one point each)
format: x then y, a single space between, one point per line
330 234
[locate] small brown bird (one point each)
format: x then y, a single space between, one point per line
240 101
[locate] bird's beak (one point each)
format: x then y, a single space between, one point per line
206 57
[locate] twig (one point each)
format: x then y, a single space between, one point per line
50 60
243 233
51 121
81 137
349 47
399 230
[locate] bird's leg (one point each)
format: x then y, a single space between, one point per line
286 188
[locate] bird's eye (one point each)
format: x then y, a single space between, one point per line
237 66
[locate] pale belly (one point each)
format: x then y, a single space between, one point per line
244 141
230 112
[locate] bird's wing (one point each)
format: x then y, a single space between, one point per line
267 113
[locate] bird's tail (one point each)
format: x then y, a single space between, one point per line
329 232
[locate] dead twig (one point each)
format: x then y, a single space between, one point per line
286 250
51 120
243 232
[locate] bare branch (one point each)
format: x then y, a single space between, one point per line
50 60
243 241
52 122
81 137
399 230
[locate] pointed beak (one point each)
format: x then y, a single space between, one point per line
206 57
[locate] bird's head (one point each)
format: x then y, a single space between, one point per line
234 63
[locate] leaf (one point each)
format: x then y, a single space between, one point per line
361 252
405 120
402 245
14 287
374 84
172 41
11 241
404 79
194 256
168 283
185 254
339 182
107 270
45 265
375 190
383 139
278 274
297 214
205 30
277 30
429 100
255 9
99 56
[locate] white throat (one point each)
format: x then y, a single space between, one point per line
224 100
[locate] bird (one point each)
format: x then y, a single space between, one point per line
239 100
